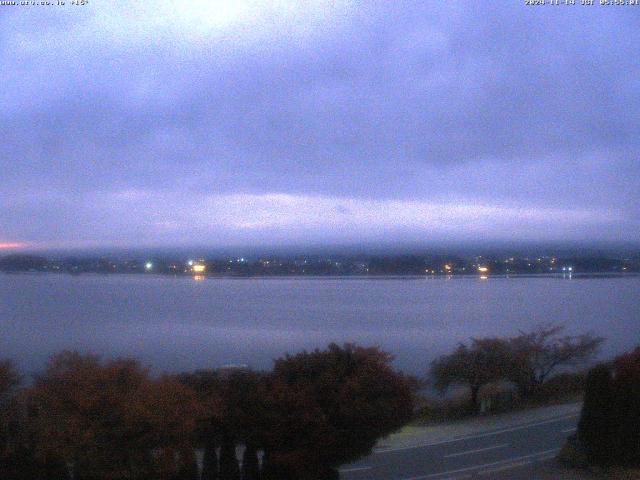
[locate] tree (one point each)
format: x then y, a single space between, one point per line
484 361
329 407
206 385
250 465
595 431
242 419
210 462
229 468
626 406
236 414
535 355
110 420
609 427
10 379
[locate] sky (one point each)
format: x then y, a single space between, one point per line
132 124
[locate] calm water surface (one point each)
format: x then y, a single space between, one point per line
179 323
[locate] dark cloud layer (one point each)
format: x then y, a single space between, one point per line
525 117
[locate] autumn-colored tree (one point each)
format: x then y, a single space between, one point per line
537 354
110 420
171 412
483 361
329 407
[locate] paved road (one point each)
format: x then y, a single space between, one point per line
486 454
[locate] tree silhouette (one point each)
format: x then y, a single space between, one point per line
206 385
609 427
250 465
484 361
329 407
236 415
626 407
536 354
10 379
595 430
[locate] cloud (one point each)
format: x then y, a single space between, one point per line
158 219
495 105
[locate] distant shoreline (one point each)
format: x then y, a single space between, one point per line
560 276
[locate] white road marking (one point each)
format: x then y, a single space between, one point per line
567 430
509 466
469 452
353 469
480 435
514 461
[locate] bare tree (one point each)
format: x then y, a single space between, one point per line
536 354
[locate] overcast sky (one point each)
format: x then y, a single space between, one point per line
263 123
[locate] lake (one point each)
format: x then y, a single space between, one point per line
175 324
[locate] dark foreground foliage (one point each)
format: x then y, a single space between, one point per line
327 408
88 419
609 428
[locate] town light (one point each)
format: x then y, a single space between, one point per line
483 269
198 268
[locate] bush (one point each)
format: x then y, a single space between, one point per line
572 455
439 411
561 386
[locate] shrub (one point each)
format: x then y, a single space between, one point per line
561 386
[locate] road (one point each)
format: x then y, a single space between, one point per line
487 454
